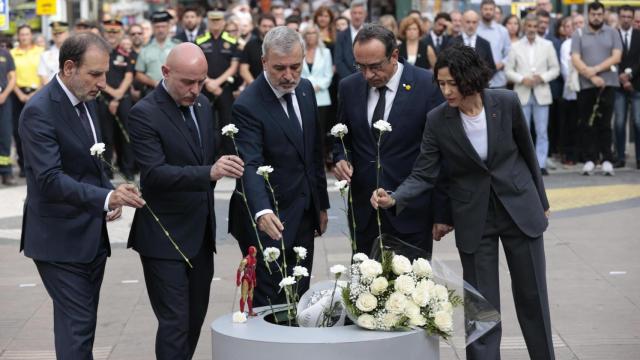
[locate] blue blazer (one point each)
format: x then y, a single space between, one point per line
268 137
417 95
174 176
343 54
64 217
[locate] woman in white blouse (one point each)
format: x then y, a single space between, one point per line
318 69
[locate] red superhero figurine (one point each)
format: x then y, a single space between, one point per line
247 268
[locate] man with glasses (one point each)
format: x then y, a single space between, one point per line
137 40
114 102
48 66
595 53
402 95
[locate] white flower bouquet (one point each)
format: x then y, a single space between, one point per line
396 294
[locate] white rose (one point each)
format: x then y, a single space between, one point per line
229 130
300 271
337 270
366 302
446 307
360 257
443 321
420 295
239 317
264 171
97 149
379 285
300 251
390 320
417 320
382 125
339 130
369 269
404 284
271 254
400 265
411 309
288 281
366 321
439 292
396 303
422 268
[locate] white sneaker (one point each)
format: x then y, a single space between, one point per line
588 167
607 169
550 164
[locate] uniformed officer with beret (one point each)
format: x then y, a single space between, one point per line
149 63
220 50
114 102
48 66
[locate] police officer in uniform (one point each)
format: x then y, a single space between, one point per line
220 50
114 102
48 66
153 55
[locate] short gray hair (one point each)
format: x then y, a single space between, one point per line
358 3
282 39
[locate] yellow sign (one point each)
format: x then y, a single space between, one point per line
45 7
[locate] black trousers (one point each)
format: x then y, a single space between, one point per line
568 136
596 139
74 289
222 106
365 237
179 297
525 258
17 107
268 290
114 137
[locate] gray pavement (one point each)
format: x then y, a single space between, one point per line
592 269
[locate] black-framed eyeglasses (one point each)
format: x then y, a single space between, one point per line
135 34
372 67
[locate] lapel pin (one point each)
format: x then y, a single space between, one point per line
199 105
406 87
493 115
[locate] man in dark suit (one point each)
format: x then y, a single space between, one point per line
173 139
402 95
69 198
469 37
191 27
496 190
629 74
277 119
343 56
437 37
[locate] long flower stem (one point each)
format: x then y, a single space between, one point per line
246 204
378 166
327 315
352 235
166 232
275 204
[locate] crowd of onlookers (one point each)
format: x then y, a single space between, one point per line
575 75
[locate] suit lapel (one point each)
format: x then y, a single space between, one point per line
204 130
494 119
308 128
169 107
454 122
401 99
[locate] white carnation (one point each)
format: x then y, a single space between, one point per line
271 254
411 309
390 320
446 307
417 320
382 125
341 185
339 130
420 295
366 321
97 149
439 292
287 281
443 321
369 269
239 317
264 170
396 303
229 130
300 251
404 284
300 271
360 257
337 269
422 268
378 285
400 265
366 302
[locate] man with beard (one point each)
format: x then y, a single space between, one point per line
277 119
437 37
251 58
190 29
498 37
470 37
595 53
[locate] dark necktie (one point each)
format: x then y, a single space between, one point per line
84 120
291 111
626 41
191 125
438 42
378 111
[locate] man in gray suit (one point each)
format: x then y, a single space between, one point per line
496 192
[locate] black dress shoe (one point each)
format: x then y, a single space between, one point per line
22 174
544 172
619 164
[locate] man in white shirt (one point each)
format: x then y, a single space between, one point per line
531 65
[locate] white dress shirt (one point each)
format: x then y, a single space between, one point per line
75 101
354 32
390 95
469 40
626 36
476 129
